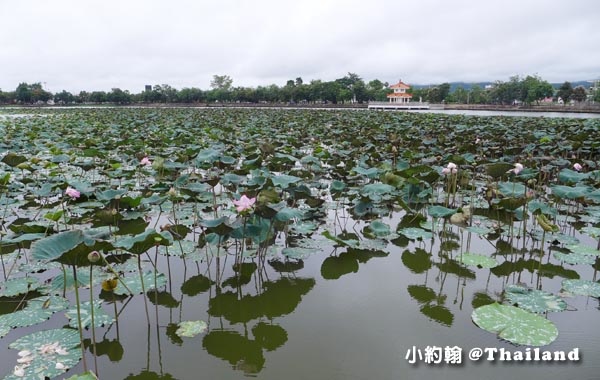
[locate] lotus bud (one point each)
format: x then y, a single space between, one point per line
94 256
109 285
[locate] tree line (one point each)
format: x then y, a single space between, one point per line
349 89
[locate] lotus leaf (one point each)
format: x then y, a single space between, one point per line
18 286
415 233
36 311
481 261
189 329
516 325
41 346
533 300
134 283
582 287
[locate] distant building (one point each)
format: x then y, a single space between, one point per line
399 95
148 88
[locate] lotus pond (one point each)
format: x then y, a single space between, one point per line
293 244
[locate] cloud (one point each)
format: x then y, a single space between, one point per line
98 45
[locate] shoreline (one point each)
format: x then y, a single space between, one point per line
595 108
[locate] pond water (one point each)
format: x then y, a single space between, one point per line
350 306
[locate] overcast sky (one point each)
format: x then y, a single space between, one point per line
97 45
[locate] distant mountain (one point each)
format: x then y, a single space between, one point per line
467 86
454 85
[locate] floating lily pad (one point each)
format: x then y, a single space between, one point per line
379 228
582 287
18 286
481 261
36 311
536 301
583 250
134 283
189 329
437 211
46 348
515 325
414 233
100 317
574 258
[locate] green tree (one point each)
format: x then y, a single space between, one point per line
221 82
444 91
98 97
533 88
64 97
565 91
118 96
579 94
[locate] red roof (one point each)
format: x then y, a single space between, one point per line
400 84
399 95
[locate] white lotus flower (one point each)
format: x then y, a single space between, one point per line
19 371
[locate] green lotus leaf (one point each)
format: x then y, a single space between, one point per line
207 155
304 228
583 250
533 300
379 228
569 176
574 258
415 233
376 190
45 363
141 243
54 246
511 189
36 311
189 329
16 286
481 261
591 231
437 211
286 214
13 159
369 173
108 195
337 186
134 283
297 252
479 230
569 192
515 325
582 287
341 242
100 316
284 180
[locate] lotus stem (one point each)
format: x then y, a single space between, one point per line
92 306
79 327
143 288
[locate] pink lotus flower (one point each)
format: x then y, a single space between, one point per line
446 171
244 203
71 192
145 161
517 169
577 167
